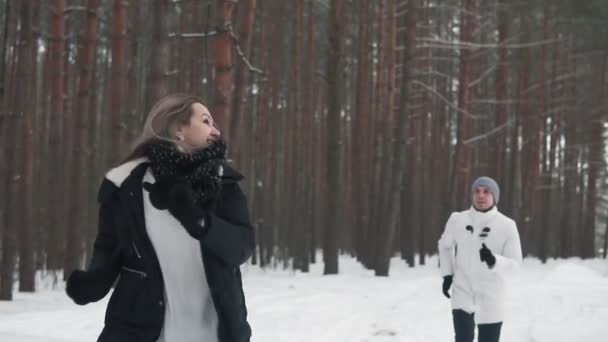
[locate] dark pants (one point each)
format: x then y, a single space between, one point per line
464 327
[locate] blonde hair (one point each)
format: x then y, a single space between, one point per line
162 120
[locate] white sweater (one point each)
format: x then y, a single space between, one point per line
476 287
189 310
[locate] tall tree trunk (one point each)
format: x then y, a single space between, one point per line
263 143
9 130
394 189
4 39
56 69
223 64
28 52
595 127
384 122
545 176
310 124
570 176
406 102
301 260
377 132
361 156
465 99
142 46
335 100
82 149
529 155
118 119
530 188
246 15
277 51
198 77
464 152
499 154
161 55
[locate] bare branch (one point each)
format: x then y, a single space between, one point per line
240 53
445 100
489 133
226 28
484 75
69 9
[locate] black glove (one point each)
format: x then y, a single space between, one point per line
80 285
159 193
447 283
86 286
485 255
179 199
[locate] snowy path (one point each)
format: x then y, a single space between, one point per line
563 300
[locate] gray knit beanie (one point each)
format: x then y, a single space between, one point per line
489 183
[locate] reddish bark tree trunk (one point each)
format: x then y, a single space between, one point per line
117 114
82 149
222 61
56 69
499 154
465 103
28 52
246 15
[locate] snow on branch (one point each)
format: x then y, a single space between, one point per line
455 44
194 34
227 28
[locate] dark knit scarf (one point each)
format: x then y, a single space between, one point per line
201 168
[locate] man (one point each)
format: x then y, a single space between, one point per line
476 248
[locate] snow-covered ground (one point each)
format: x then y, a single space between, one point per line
563 300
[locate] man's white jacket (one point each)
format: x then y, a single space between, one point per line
477 288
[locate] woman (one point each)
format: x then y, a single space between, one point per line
173 228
